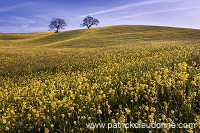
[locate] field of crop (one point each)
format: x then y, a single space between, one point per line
59 82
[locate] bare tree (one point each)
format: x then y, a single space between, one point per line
57 24
89 21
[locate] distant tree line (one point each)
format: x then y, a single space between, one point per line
58 23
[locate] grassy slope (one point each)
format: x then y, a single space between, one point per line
142 73
38 50
98 37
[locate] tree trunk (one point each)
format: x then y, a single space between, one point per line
56 30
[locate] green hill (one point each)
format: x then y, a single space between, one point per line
99 37
38 50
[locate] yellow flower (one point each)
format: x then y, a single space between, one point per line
4 121
109 111
92 128
71 108
197 121
37 115
46 130
7 128
99 112
172 112
113 121
169 120
83 117
146 108
69 114
152 109
89 118
63 115
182 66
128 111
137 113
12 112
52 125
163 117
122 119
190 130
101 92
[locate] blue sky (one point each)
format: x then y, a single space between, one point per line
35 15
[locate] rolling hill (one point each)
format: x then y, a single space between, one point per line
38 50
67 81
98 37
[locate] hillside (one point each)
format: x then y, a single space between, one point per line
98 37
39 50
118 74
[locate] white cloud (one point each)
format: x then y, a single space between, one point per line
25 26
154 12
17 20
16 6
18 23
127 6
22 20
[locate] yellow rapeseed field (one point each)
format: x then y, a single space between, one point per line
60 82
